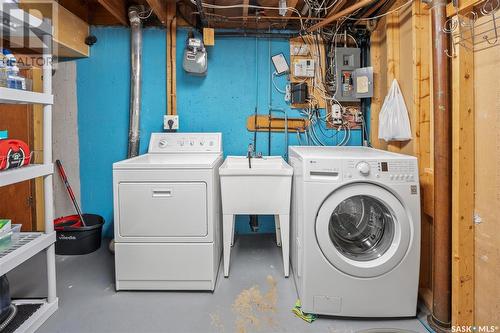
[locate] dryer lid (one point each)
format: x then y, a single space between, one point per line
170 161
363 230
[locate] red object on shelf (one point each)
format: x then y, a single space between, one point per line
14 154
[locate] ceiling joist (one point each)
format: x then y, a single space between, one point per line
117 8
159 8
342 13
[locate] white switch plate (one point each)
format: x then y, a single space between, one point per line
175 124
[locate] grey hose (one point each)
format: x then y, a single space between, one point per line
13 312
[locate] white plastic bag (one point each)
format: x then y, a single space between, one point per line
393 120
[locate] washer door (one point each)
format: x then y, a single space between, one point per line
363 230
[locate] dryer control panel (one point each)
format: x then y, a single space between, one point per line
185 143
341 170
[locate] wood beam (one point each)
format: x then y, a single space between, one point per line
171 58
463 185
463 6
393 61
159 7
372 9
116 8
342 13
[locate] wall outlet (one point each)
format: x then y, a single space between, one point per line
170 122
336 114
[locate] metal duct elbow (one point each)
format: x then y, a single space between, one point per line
135 80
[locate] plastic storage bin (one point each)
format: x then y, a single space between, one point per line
9 237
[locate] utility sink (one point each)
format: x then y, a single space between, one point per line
263 188
256 186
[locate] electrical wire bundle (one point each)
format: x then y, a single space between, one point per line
322 45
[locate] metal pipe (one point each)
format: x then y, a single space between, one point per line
239 34
286 128
440 319
135 80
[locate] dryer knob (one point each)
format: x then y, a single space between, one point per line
163 143
363 168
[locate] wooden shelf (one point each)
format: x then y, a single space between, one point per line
277 124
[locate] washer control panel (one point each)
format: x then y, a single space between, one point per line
389 171
185 142
393 170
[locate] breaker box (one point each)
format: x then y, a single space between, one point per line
347 61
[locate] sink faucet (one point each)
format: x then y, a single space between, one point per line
252 154
249 155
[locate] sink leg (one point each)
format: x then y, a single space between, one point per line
278 232
227 231
285 242
232 233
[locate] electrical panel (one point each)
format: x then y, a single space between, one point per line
363 82
347 60
303 68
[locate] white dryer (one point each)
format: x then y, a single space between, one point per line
167 219
355 231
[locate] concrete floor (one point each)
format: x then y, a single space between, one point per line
89 303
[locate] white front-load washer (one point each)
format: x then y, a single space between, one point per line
355 243
167 214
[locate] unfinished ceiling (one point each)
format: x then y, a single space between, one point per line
232 14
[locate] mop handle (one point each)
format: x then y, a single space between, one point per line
62 173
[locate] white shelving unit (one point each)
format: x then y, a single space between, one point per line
32 243
15 96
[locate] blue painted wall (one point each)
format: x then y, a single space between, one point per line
220 102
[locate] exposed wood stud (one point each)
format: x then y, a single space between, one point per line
171 58
463 186
393 60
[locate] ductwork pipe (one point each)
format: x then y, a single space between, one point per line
135 80
440 319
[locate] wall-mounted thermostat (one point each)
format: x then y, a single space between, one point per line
303 68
